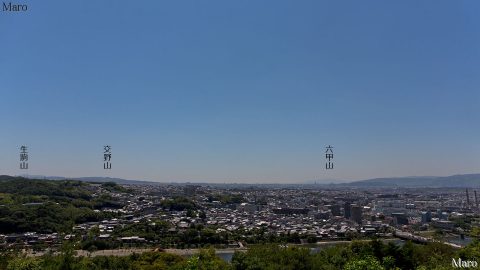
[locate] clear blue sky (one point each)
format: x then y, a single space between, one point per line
241 91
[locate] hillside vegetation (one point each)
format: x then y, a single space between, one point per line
46 206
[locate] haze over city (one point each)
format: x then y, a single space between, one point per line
241 91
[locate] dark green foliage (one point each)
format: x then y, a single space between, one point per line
205 260
178 204
114 187
273 257
53 189
45 206
471 252
358 255
144 261
191 213
366 263
372 255
464 222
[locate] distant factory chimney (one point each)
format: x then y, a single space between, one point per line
468 198
476 200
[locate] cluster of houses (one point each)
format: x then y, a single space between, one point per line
323 214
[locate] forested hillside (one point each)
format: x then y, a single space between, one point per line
46 206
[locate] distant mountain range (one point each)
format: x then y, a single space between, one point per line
94 179
460 180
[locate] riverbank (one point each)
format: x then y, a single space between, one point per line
189 252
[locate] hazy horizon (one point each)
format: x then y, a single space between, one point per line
243 181
239 91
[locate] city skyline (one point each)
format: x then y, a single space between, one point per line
241 91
